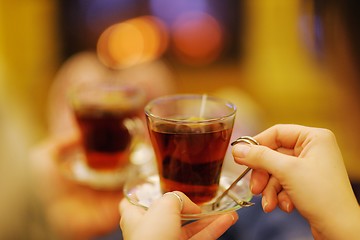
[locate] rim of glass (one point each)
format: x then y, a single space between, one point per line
106 86
189 96
138 94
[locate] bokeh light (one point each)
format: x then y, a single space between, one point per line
132 42
198 38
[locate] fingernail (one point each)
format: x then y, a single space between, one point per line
264 204
286 206
232 219
241 150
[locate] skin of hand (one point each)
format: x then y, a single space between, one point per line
302 167
162 221
72 211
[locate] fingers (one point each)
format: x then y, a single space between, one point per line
189 206
261 157
270 195
168 206
138 223
283 135
258 181
274 195
285 202
293 138
277 145
209 228
178 197
175 201
130 215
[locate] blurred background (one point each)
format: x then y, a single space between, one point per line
278 61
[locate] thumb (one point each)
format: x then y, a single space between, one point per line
261 157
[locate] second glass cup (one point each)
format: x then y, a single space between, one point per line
190 135
107 114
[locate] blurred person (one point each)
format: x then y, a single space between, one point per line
293 167
72 210
155 77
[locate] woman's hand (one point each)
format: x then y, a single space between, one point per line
302 167
72 211
163 220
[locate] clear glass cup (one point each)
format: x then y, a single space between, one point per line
190 135
108 116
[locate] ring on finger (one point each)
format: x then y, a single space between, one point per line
178 197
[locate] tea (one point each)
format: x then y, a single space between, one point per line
190 157
106 138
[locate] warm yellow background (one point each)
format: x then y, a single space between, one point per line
278 81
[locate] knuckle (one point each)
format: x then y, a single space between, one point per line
328 133
325 134
260 152
122 223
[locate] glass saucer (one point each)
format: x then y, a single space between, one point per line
73 166
143 191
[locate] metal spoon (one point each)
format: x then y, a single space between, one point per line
245 139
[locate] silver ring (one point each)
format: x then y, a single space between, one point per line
178 197
246 139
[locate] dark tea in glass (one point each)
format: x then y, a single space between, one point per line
190 160
107 115
106 138
190 149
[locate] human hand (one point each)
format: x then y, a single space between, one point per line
72 211
302 167
163 220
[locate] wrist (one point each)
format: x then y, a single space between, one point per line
343 225
351 225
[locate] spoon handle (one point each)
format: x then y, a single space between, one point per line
245 139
